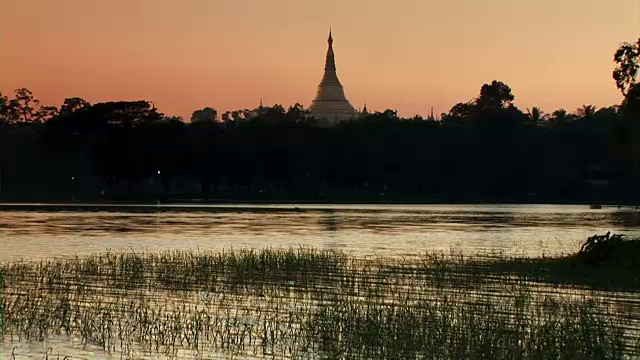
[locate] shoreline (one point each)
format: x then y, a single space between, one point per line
240 201
284 206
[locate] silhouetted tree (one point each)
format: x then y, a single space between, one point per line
110 134
162 151
23 105
560 117
494 96
296 113
626 70
536 115
630 107
459 113
206 114
4 109
627 141
480 151
173 119
586 111
24 108
74 104
275 114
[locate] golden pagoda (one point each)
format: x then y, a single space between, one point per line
330 103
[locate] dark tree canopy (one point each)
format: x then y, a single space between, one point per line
74 104
206 114
485 149
25 108
494 96
626 70
4 109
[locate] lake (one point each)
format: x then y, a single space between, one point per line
38 231
34 231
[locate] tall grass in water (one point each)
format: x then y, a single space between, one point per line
308 303
442 329
2 302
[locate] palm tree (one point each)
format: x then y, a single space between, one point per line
560 117
536 115
586 111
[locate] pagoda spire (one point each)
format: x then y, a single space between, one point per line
330 63
330 102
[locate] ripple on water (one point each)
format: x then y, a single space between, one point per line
390 230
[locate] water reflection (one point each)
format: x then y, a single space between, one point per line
37 231
627 219
330 221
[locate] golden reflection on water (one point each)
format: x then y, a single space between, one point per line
36 231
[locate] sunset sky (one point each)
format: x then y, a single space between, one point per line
403 54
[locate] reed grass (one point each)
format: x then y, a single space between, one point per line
2 302
309 303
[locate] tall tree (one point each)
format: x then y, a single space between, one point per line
627 59
630 127
73 104
494 96
125 114
459 113
23 106
4 109
206 114
630 107
46 113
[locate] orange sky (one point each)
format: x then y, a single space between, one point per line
403 54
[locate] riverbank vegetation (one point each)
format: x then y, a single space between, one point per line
606 262
482 150
301 303
129 151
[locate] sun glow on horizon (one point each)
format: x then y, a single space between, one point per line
230 54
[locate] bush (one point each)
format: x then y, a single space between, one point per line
599 248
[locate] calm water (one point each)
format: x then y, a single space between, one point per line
38 231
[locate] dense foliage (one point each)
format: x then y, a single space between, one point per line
483 150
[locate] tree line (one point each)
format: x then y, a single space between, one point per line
485 149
